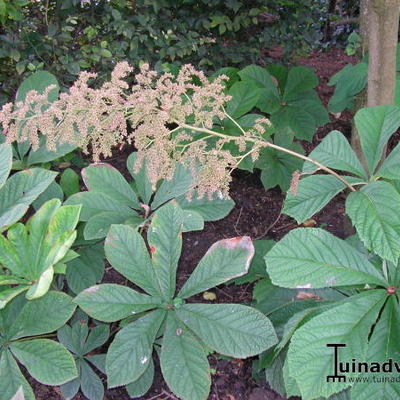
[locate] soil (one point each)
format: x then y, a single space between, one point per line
257 214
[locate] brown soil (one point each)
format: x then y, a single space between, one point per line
258 214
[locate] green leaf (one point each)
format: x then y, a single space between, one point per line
87 269
6 162
142 385
225 260
380 232
210 210
99 225
20 191
310 360
245 96
180 184
184 363
192 221
127 253
375 125
69 182
91 385
299 79
390 168
313 193
71 388
142 182
335 152
47 361
383 346
94 203
53 191
43 155
38 81
106 179
110 302
231 329
11 378
129 354
165 241
7 294
97 337
313 258
43 315
260 76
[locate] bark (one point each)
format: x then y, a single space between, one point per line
383 27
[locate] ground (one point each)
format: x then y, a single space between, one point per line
257 214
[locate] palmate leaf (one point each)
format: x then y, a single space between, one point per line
314 258
106 179
245 96
11 378
312 194
20 191
5 162
32 251
310 361
142 385
260 76
299 79
110 302
390 168
130 352
335 152
91 385
127 252
375 125
36 317
224 260
165 241
380 232
230 329
184 362
142 182
46 360
383 345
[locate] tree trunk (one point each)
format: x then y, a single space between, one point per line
383 28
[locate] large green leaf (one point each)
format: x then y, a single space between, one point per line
127 252
312 194
20 191
43 154
142 385
5 162
94 203
31 251
87 269
184 362
335 152
180 184
210 210
245 96
47 361
91 385
390 168
224 260
231 329
375 125
106 179
39 81
11 378
299 80
260 76
141 180
374 211
311 361
313 258
383 346
110 302
40 316
165 241
129 354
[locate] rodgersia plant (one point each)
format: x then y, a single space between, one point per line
189 331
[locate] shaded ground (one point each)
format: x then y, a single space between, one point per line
257 214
